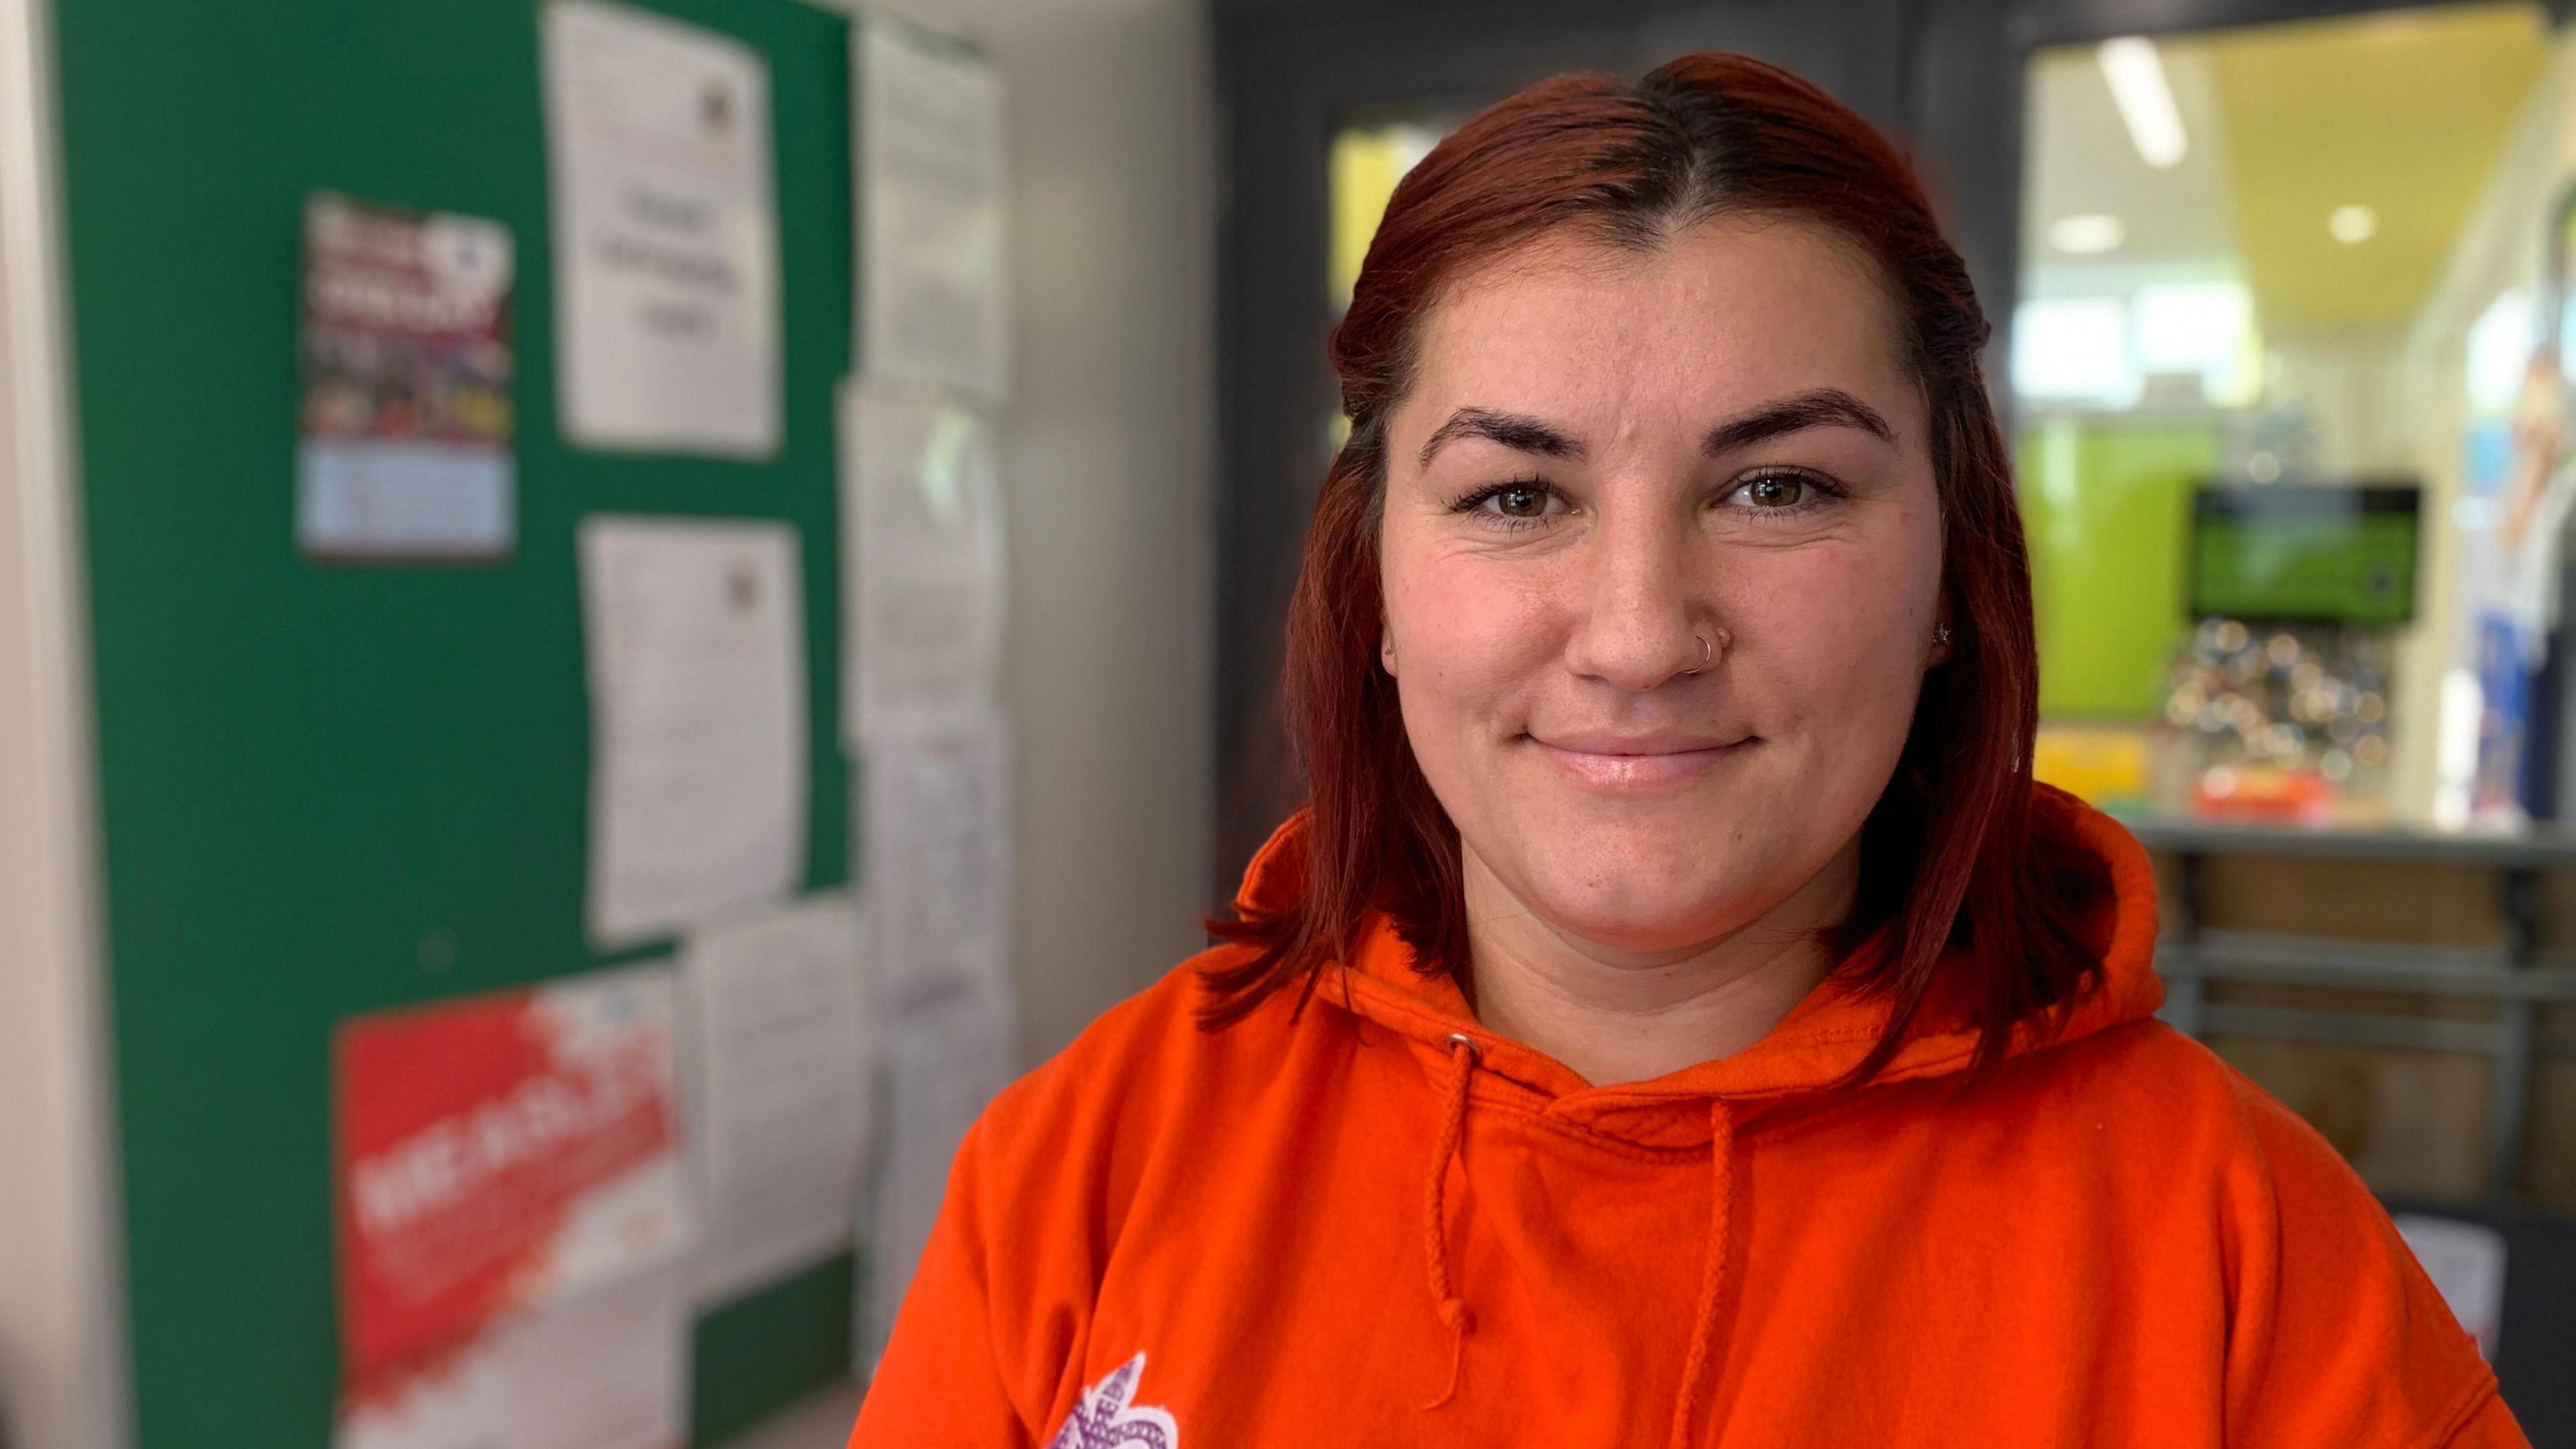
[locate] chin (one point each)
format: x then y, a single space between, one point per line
1636 933
1660 902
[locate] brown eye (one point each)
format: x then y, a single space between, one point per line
1521 500
1775 492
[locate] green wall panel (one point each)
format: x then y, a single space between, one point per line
307 772
2107 505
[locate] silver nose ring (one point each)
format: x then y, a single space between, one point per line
1707 655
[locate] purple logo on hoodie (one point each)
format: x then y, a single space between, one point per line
1105 1419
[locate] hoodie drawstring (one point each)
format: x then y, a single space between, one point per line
1721 1151
1435 1217
1435 1234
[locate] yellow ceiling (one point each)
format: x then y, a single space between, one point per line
2404 113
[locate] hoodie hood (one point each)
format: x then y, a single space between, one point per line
1814 1046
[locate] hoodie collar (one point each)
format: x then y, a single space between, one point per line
1821 1039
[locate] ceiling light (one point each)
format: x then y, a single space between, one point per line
2352 225
2087 233
2137 78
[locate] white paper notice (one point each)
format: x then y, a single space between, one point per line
665 234
784 1066
938 858
942 1067
933 303
921 529
698 738
607 1370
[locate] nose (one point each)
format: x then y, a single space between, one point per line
1644 621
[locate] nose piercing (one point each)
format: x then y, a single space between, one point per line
1707 655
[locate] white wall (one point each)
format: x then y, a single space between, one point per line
60 1379
1107 462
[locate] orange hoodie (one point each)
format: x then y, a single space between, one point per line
1375 1223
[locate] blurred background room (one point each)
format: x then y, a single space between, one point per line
611 614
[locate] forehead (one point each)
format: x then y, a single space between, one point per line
1729 311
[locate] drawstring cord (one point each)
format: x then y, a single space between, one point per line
1721 1151
1435 1234
1435 1218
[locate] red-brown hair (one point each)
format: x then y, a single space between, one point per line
1947 853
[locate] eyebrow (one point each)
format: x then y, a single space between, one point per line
1823 407
1516 431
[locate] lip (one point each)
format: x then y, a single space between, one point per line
1635 763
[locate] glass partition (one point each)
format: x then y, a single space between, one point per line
2276 314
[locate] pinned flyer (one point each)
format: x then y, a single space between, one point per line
696 635
934 296
606 1370
782 1043
496 1158
665 234
403 448
938 851
921 524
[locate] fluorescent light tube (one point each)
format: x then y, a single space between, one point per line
2137 78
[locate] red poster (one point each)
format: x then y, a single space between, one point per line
495 1155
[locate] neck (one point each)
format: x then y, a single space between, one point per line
1618 1015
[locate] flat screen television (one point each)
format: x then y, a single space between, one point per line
2305 552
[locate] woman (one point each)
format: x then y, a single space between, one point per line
1677 1017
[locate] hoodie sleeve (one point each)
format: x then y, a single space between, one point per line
940 1382
2490 1426
2335 1335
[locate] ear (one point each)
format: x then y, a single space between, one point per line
1386 652
1941 639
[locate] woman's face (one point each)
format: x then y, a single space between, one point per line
1611 467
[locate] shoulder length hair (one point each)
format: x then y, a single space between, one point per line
1948 860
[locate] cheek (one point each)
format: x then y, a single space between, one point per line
1842 634
1468 634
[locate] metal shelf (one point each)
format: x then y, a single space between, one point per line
2515 977
2361 965
2538 848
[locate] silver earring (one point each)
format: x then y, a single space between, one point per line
1941 635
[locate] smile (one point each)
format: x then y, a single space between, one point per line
1636 765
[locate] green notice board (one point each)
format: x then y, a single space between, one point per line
334 789
2108 508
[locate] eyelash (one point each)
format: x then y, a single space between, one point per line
1477 499
1815 483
